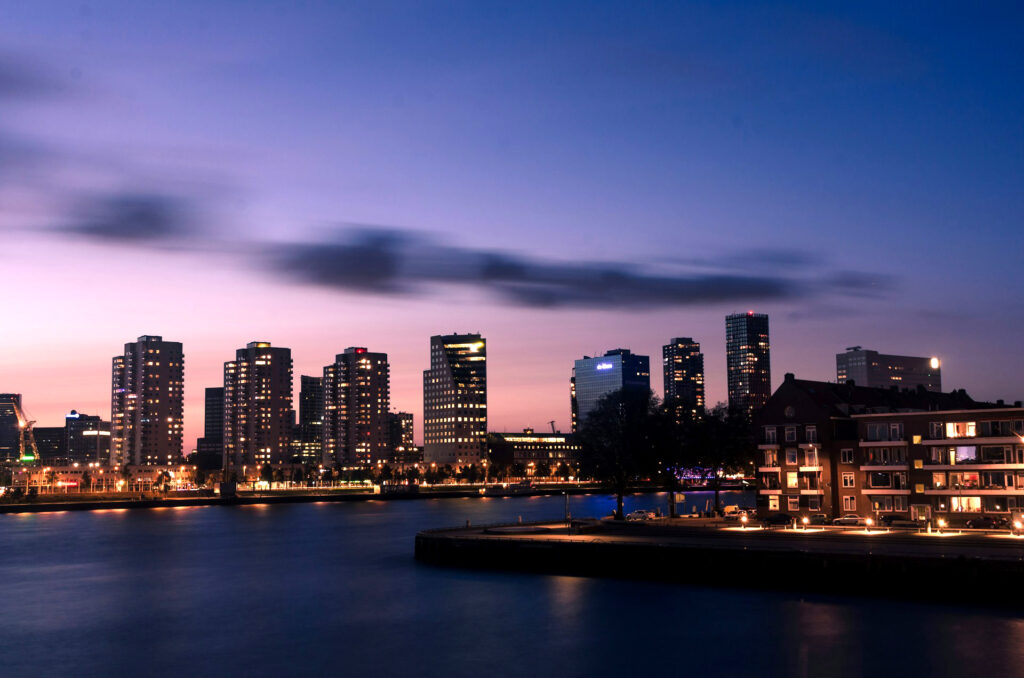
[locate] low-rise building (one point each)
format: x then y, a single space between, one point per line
530 447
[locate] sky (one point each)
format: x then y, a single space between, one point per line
565 178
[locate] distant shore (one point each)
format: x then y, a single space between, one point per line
45 505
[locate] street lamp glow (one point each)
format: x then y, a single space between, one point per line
869 521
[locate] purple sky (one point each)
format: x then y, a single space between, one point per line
855 172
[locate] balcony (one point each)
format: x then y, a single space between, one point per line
769 469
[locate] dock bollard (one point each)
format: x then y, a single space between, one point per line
467 523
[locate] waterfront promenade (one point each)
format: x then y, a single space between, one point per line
986 566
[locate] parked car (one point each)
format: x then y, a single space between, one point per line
735 514
987 523
897 521
778 519
640 514
849 519
817 519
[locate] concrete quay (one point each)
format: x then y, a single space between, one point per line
985 567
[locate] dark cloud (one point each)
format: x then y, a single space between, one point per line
390 261
132 218
21 79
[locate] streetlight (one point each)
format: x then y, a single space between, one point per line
806 521
743 521
942 524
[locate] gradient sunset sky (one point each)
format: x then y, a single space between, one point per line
564 177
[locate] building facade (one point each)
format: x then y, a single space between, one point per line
401 432
816 453
147 403
594 378
10 432
455 400
748 361
258 416
878 370
531 449
311 420
683 367
357 401
86 438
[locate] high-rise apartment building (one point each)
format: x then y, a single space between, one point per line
311 419
258 416
455 400
147 403
210 448
10 432
748 358
86 438
683 365
357 399
877 370
593 378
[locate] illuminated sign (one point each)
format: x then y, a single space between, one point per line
604 366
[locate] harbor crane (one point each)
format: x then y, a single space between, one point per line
28 451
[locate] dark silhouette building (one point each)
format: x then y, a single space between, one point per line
311 420
210 448
878 370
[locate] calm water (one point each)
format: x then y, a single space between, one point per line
332 589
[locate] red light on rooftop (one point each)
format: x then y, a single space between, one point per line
750 313
360 350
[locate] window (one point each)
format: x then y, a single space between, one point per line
935 430
810 457
965 504
773 502
812 434
792 480
771 458
966 480
846 456
769 435
879 479
881 503
791 456
814 503
996 455
793 503
938 481
848 480
899 503
965 455
896 431
961 429
791 434
877 432
849 503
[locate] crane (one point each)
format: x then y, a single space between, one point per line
29 453
552 424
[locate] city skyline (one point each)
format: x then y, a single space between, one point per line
816 174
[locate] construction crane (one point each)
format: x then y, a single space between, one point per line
29 453
552 423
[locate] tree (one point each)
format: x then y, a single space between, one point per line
543 470
162 481
267 473
86 480
126 476
619 440
718 443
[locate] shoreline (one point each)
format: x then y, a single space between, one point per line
250 500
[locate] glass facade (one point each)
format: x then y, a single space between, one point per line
595 377
748 357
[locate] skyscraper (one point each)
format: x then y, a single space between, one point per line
258 415
357 399
147 403
455 400
683 365
593 378
311 419
877 370
210 448
748 360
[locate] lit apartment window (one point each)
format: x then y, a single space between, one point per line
773 502
792 480
961 429
793 503
771 458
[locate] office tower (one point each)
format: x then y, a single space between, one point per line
593 378
86 438
258 417
357 399
147 403
877 370
683 365
10 436
210 448
311 419
748 360
455 400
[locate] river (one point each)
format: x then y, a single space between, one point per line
332 589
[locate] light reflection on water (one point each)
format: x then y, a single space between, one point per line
323 589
